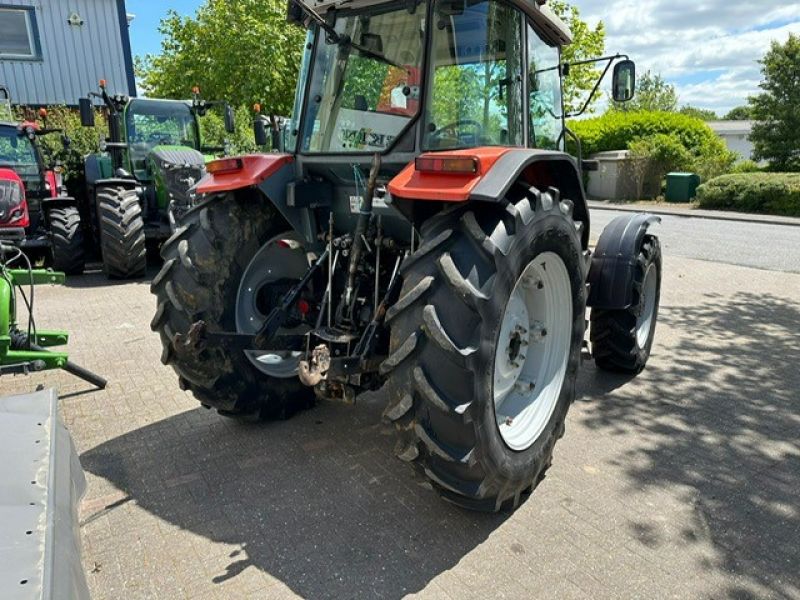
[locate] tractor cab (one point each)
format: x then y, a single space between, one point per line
401 78
21 151
405 78
157 127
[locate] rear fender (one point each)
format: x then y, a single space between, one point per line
614 262
264 177
253 170
498 169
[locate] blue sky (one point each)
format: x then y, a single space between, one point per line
144 29
707 48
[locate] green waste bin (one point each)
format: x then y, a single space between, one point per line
682 187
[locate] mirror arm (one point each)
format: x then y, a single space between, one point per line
588 61
585 106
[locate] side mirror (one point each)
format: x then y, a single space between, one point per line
87 112
230 119
294 14
623 86
260 131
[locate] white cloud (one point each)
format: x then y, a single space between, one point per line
708 48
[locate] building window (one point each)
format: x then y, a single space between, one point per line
18 35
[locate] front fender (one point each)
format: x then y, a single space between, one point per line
614 261
59 201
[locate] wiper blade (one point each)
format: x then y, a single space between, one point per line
344 40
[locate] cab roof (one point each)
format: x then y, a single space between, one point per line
537 10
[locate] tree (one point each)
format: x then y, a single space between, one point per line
740 113
776 132
652 94
242 51
699 113
587 43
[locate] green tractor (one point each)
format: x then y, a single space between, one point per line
139 185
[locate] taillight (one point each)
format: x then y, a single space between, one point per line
447 164
13 208
225 165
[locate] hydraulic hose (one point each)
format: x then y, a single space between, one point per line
364 216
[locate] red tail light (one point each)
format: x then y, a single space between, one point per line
225 165
13 207
447 164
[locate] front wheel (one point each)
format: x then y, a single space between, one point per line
485 346
122 235
67 240
623 339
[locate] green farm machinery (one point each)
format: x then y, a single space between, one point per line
139 185
27 350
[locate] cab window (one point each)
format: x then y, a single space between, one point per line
545 100
476 95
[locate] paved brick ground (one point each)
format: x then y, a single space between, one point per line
682 483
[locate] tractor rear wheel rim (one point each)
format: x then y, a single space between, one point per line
281 259
644 321
533 351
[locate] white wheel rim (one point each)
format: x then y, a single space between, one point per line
282 257
648 303
533 351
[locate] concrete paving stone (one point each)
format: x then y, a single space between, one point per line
680 483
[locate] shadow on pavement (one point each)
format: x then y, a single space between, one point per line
318 502
94 277
718 422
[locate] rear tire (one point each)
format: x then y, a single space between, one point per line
446 344
622 339
122 236
66 236
204 264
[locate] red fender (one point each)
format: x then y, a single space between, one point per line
51 179
235 173
411 184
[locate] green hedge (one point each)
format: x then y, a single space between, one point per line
617 130
769 193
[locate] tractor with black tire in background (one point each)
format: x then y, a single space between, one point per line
139 185
33 195
424 231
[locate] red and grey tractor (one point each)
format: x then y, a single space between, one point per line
423 231
32 196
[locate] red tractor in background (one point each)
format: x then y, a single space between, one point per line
32 195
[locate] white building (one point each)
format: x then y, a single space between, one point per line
736 135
